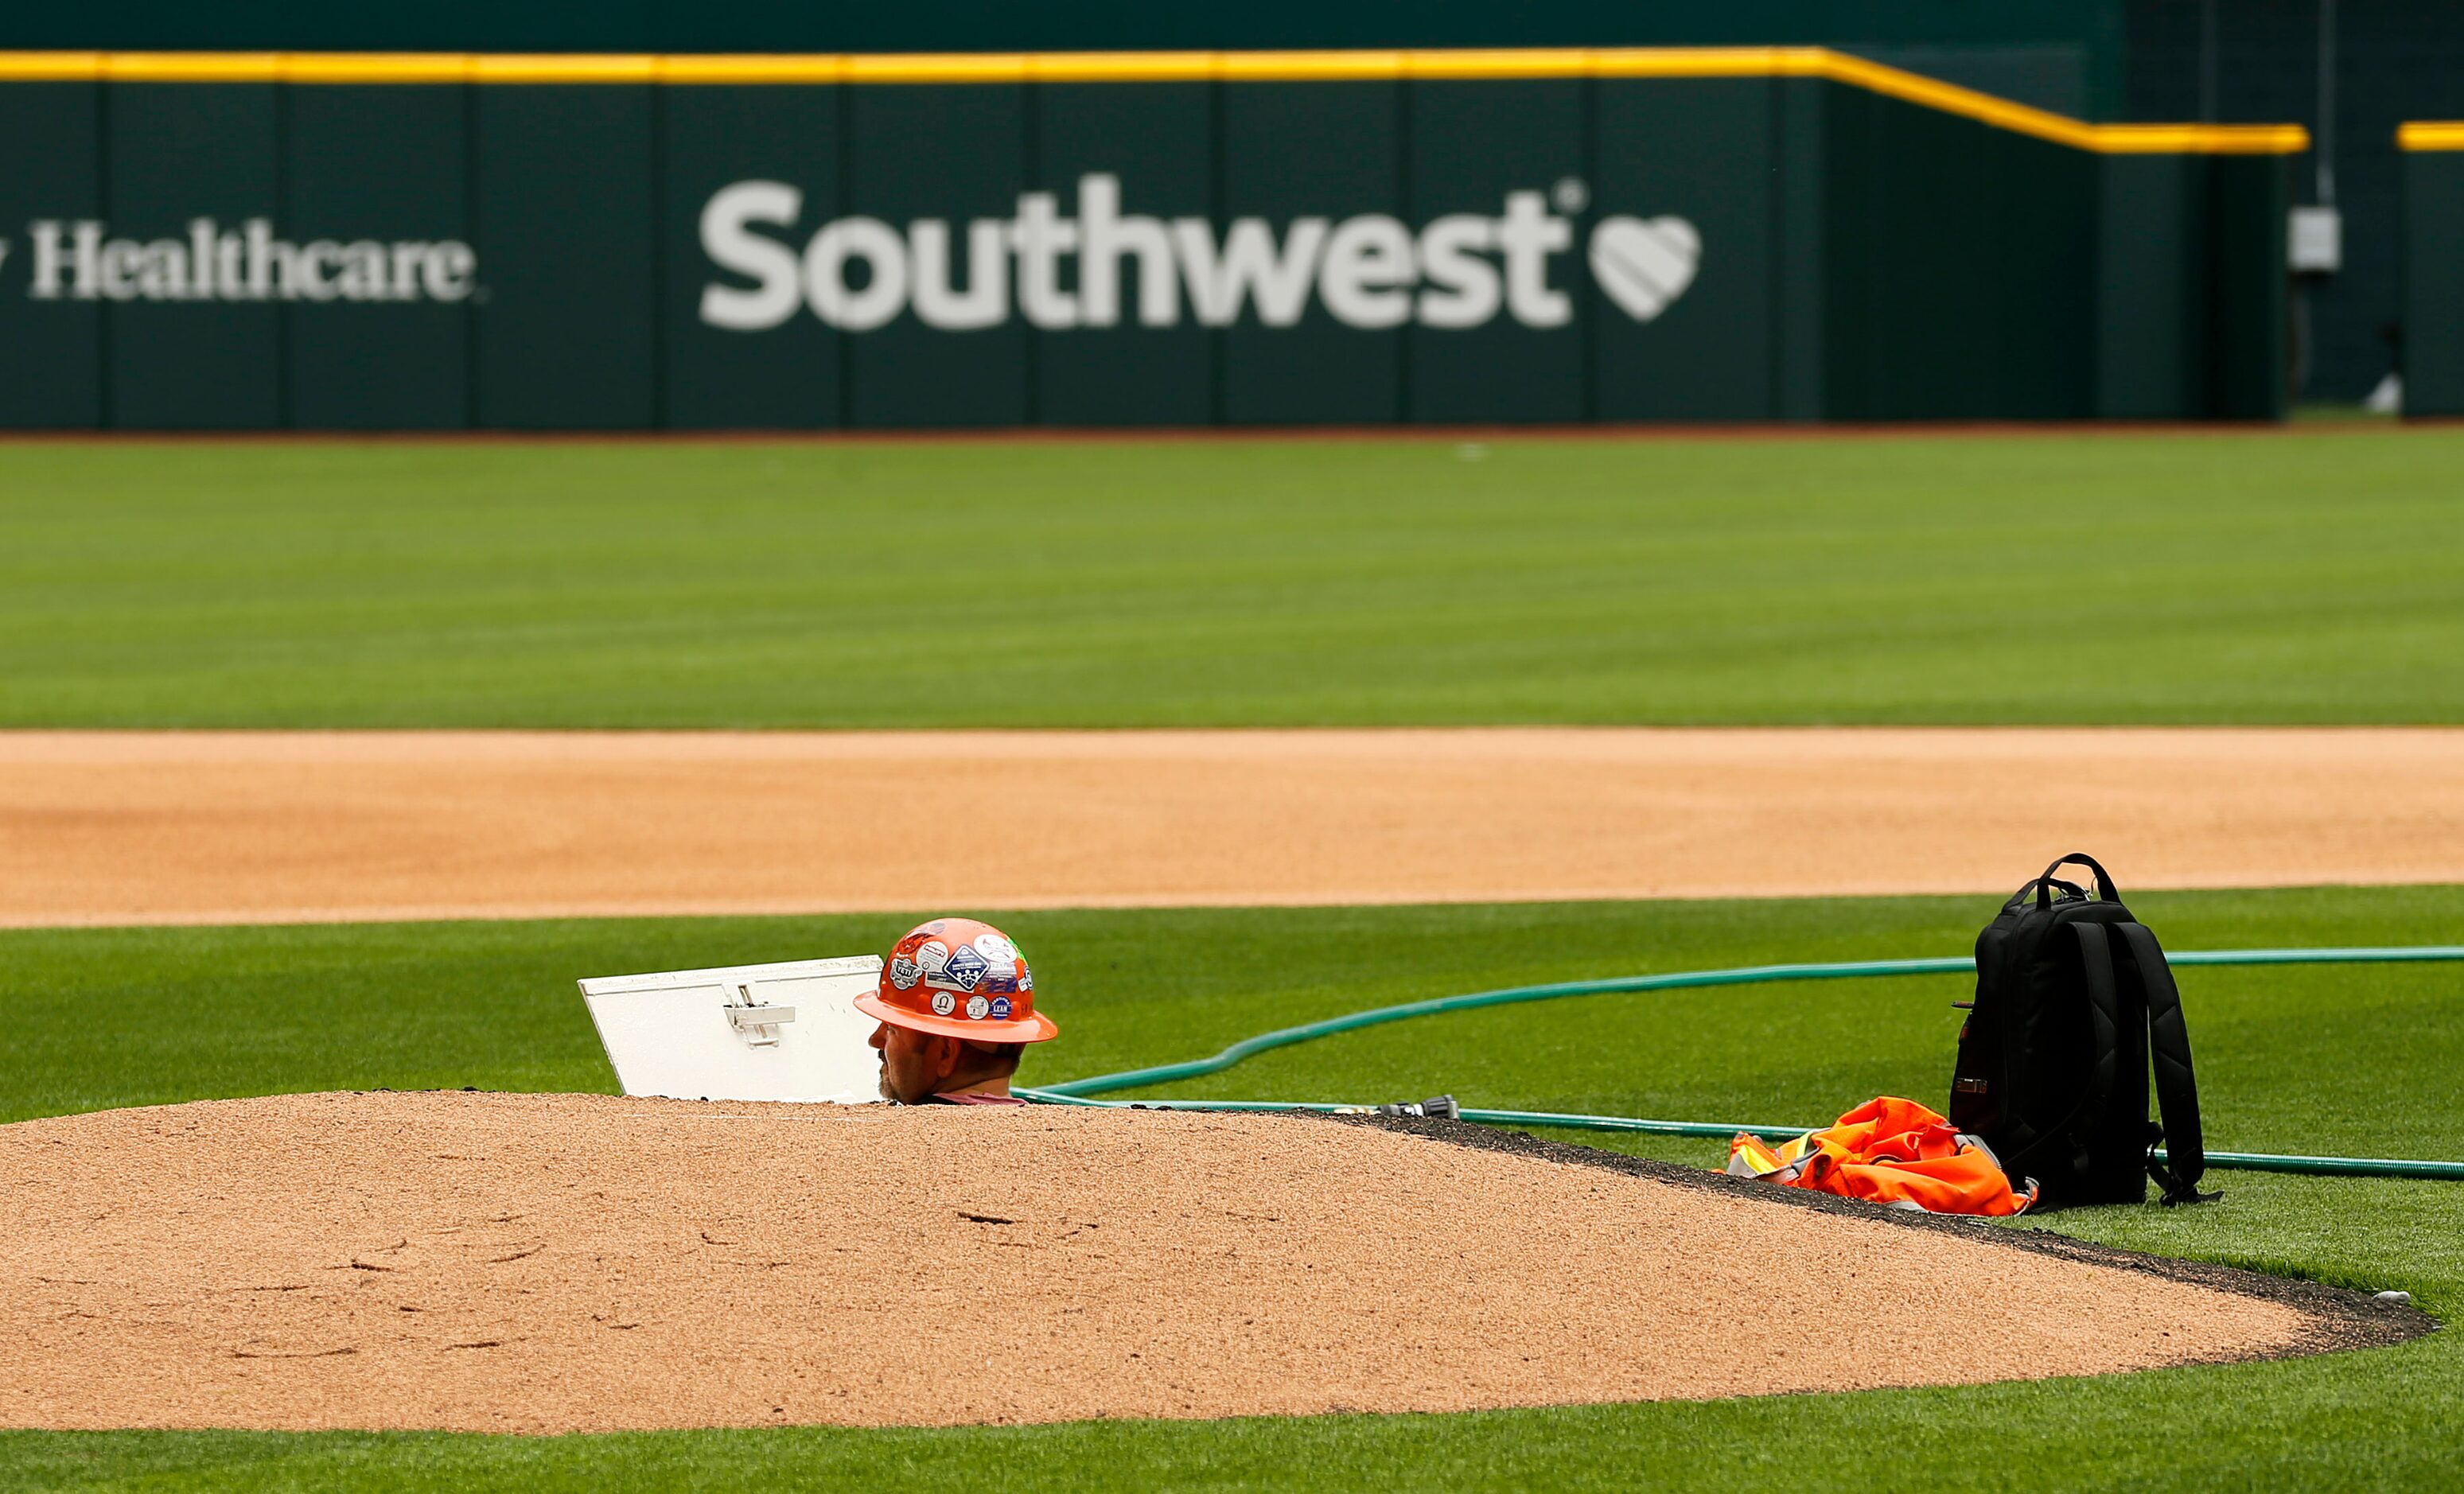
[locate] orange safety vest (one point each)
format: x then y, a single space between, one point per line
1890 1151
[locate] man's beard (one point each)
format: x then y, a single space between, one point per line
889 1091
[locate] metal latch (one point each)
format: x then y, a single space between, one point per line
758 1021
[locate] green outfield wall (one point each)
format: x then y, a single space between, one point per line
2433 268
1169 239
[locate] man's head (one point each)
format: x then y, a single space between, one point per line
917 1065
956 1007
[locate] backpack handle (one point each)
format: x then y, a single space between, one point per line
2103 879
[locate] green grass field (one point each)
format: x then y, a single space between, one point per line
2362 1059
2208 577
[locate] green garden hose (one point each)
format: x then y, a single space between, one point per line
1080 1092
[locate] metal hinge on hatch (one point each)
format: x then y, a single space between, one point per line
757 1023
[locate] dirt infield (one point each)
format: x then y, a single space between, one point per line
565 1263
156 827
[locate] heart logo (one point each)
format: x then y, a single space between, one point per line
1645 263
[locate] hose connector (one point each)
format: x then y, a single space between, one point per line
1437 1107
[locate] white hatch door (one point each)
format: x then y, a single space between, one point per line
783 1031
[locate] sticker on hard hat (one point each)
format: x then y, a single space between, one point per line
944 1003
964 971
903 972
996 948
976 1006
1001 1008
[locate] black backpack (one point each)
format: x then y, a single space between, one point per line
2073 996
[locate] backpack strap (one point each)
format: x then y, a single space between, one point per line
2177 1090
2104 1022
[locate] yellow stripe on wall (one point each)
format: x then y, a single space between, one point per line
2429 134
1151 67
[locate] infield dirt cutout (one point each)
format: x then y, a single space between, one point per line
209 827
578 1262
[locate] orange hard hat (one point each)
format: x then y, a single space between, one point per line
960 978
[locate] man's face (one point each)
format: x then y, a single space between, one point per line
910 1073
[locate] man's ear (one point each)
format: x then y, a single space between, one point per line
943 1055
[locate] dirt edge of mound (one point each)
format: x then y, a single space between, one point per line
2341 1317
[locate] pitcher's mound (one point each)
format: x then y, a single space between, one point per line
577 1263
